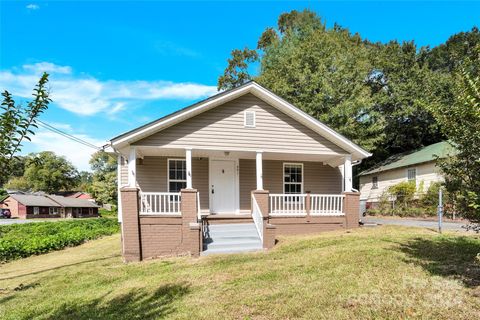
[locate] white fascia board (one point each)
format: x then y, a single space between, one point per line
313 123
135 136
262 93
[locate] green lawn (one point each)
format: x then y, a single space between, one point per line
385 272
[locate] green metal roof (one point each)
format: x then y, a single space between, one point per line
425 154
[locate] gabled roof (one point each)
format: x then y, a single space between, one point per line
51 201
34 200
73 202
254 88
426 154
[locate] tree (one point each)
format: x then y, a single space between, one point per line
17 121
46 172
376 94
461 124
104 181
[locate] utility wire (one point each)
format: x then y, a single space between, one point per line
66 135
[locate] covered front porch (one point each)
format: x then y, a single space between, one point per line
298 184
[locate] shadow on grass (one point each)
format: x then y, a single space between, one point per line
60 267
134 305
447 256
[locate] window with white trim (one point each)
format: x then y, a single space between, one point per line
292 178
249 119
177 175
36 210
374 182
412 174
53 210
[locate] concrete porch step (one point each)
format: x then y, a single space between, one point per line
230 238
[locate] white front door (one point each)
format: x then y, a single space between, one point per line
222 186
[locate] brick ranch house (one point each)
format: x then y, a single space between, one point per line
229 174
28 206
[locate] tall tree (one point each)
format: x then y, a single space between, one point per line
375 94
104 181
46 172
17 122
461 124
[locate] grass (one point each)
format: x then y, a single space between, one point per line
385 272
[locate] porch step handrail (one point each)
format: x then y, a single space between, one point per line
327 204
257 217
287 204
158 203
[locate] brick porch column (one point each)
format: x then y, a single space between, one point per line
262 200
191 229
351 207
269 231
131 242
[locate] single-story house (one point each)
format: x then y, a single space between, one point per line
229 173
27 206
76 194
418 166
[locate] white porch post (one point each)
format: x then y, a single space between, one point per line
342 171
119 184
259 170
188 156
348 173
132 167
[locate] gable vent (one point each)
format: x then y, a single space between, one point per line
249 119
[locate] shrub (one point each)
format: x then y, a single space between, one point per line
23 240
403 192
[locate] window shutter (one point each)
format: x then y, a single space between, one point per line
249 120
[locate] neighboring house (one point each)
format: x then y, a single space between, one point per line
77 195
229 174
418 166
27 206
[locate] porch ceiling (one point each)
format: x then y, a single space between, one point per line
333 160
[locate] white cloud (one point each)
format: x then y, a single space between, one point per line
32 6
41 67
86 95
78 154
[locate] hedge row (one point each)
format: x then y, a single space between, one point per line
23 240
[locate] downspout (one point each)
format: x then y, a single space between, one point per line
356 163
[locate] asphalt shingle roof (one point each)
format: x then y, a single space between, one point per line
441 149
34 200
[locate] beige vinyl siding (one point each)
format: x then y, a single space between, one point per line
152 176
274 131
426 173
123 173
248 182
318 178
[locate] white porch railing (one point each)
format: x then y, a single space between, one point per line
257 218
287 204
296 204
160 203
326 204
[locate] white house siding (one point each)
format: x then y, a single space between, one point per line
426 172
222 128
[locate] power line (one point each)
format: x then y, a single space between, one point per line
66 135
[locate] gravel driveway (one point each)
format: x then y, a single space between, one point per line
455 226
4 222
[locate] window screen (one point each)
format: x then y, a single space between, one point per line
412 174
292 178
177 175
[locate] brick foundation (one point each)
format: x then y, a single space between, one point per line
352 209
150 236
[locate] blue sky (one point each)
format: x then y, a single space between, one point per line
117 65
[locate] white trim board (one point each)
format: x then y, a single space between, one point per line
260 92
